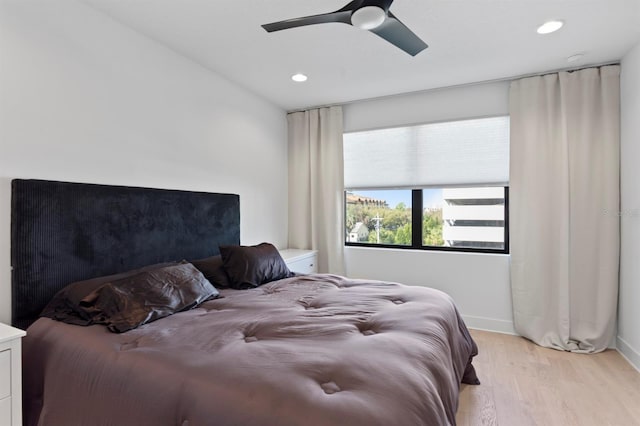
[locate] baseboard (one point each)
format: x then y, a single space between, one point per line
489 324
628 352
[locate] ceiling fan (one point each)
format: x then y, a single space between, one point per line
372 15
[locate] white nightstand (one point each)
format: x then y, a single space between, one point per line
10 375
302 261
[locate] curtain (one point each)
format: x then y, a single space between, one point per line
316 185
564 207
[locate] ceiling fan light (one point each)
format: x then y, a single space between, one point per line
368 17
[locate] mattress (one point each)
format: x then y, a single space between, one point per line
308 350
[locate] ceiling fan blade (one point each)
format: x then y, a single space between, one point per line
396 33
342 15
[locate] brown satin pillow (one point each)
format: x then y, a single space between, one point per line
130 302
64 306
213 270
252 266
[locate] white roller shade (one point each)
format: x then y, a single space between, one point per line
468 152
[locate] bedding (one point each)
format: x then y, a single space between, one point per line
307 350
65 304
128 300
252 266
213 270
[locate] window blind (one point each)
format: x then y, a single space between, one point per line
467 152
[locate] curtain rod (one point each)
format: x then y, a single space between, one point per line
456 86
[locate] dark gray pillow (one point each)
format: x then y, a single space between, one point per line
252 266
213 270
132 301
64 306
129 299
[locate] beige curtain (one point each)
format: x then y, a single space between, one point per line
564 203
316 185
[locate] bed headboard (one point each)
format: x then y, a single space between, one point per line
64 232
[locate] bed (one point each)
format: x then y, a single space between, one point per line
296 350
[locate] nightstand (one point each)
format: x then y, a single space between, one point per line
10 375
301 261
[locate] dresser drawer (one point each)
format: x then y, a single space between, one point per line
10 375
5 375
301 261
5 411
304 266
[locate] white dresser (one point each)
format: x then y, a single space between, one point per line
10 376
301 261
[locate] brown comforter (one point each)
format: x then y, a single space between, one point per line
310 350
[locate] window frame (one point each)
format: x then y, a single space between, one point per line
417 210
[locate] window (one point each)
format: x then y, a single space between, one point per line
438 186
379 217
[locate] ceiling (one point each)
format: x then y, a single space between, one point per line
469 41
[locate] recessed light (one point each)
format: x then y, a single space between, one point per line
549 27
299 78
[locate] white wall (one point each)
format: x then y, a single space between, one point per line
85 99
479 283
628 341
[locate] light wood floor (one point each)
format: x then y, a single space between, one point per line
524 384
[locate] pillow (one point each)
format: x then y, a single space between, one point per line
64 306
213 270
130 302
252 266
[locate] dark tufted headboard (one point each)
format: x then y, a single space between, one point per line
64 232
